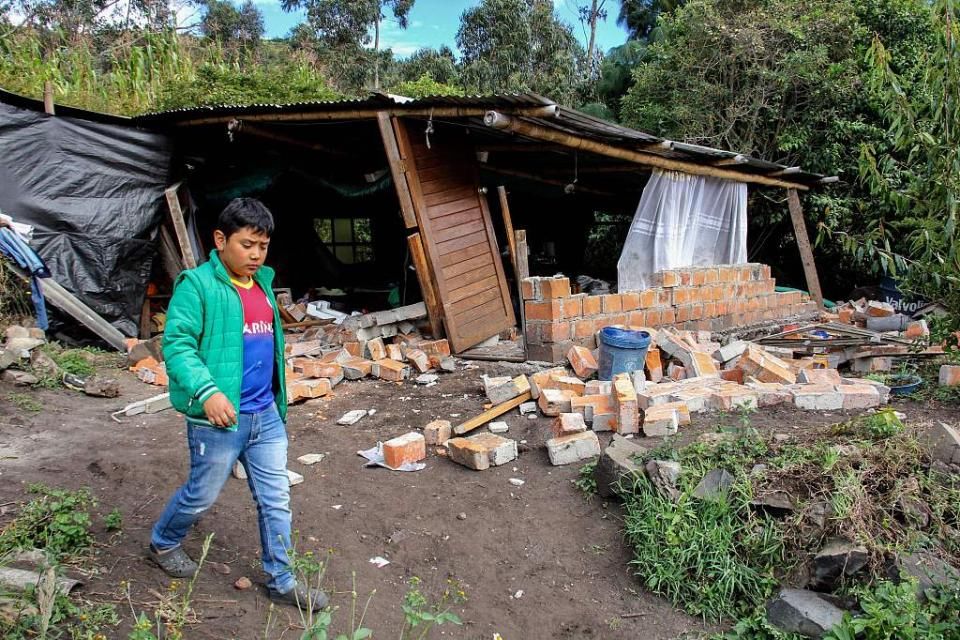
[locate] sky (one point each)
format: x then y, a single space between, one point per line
435 22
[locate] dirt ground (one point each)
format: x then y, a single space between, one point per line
562 550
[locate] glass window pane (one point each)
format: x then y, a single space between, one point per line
342 230
324 229
362 231
344 253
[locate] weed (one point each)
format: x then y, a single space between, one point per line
114 520
586 481
420 615
24 402
57 521
893 612
756 627
882 424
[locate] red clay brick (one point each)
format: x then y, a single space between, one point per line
630 301
681 296
638 318
546 310
710 309
612 303
668 316
653 317
582 361
648 298
529 289
555 331
682 313
573 307
699 277
584 328
410 447
534 331
592 306
555 287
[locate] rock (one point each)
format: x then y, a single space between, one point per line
819 513
219 567
929 571
294 477
352 417
19 345
8 358
448 365
943 442
517 482
311 458
15 331
20 378
242 583
528 407
664 475
714 485
101 387
911 506
837 559
619 464
776 503
44 366
803 612
461 516
426 378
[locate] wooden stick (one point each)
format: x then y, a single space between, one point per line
48 97
397 168
180 226
425 277
523 271
503 122
508 223
806 252
490 414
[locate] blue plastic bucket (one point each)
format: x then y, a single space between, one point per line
621 350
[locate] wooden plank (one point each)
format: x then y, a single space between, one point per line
172 262
427 285
180 226
473 302
455 206
481 314
497 263
435 186
523 253
397 169
479 249
455 219
445 171
508 225
449 195
470 277
146 327
48 98
467 265
490 414
806 251
460 243
462 293
458 231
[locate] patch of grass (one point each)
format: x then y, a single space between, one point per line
57 521
893 612
113 521
24 402
585 481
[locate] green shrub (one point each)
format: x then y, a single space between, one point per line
57 521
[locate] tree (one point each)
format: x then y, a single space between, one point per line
516 46
346 24
425 86
236 29
590 13
440 64
640 16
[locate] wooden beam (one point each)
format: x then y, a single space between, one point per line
727 162
398 168
537 178
508 224
490 414
258 132
504 122
180 226
523 271
48 97
427 285
806 251
548 111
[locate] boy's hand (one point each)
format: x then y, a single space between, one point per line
220 411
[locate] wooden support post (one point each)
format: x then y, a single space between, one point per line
523 271
398 168
806 251
48 97
427 285
180 226
508 224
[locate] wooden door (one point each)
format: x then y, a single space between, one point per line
457 234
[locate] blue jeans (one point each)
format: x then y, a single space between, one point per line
260 443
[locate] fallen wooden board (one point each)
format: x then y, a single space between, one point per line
490 414
21 580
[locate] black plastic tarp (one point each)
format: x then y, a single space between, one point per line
94 192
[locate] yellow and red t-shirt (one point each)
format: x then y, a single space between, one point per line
256 387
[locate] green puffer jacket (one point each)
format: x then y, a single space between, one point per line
203 339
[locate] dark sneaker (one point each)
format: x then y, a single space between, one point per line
174 562
301 597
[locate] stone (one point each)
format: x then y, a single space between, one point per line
803 612
483 450
568 423
836 560
15 331
929 571
311 458
437 432
426 378
498 427
294 478
410 447
101 387
8 358
942 442
664 475
243 583
714 485
352 417
448 365
44 366
573 448
19 378
620 465
19 345
949 375
528 408
776 503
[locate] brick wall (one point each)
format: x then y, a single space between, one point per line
694 298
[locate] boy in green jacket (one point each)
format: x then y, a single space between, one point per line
223 347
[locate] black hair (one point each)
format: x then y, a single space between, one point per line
242 213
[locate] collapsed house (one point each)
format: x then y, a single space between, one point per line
385 201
